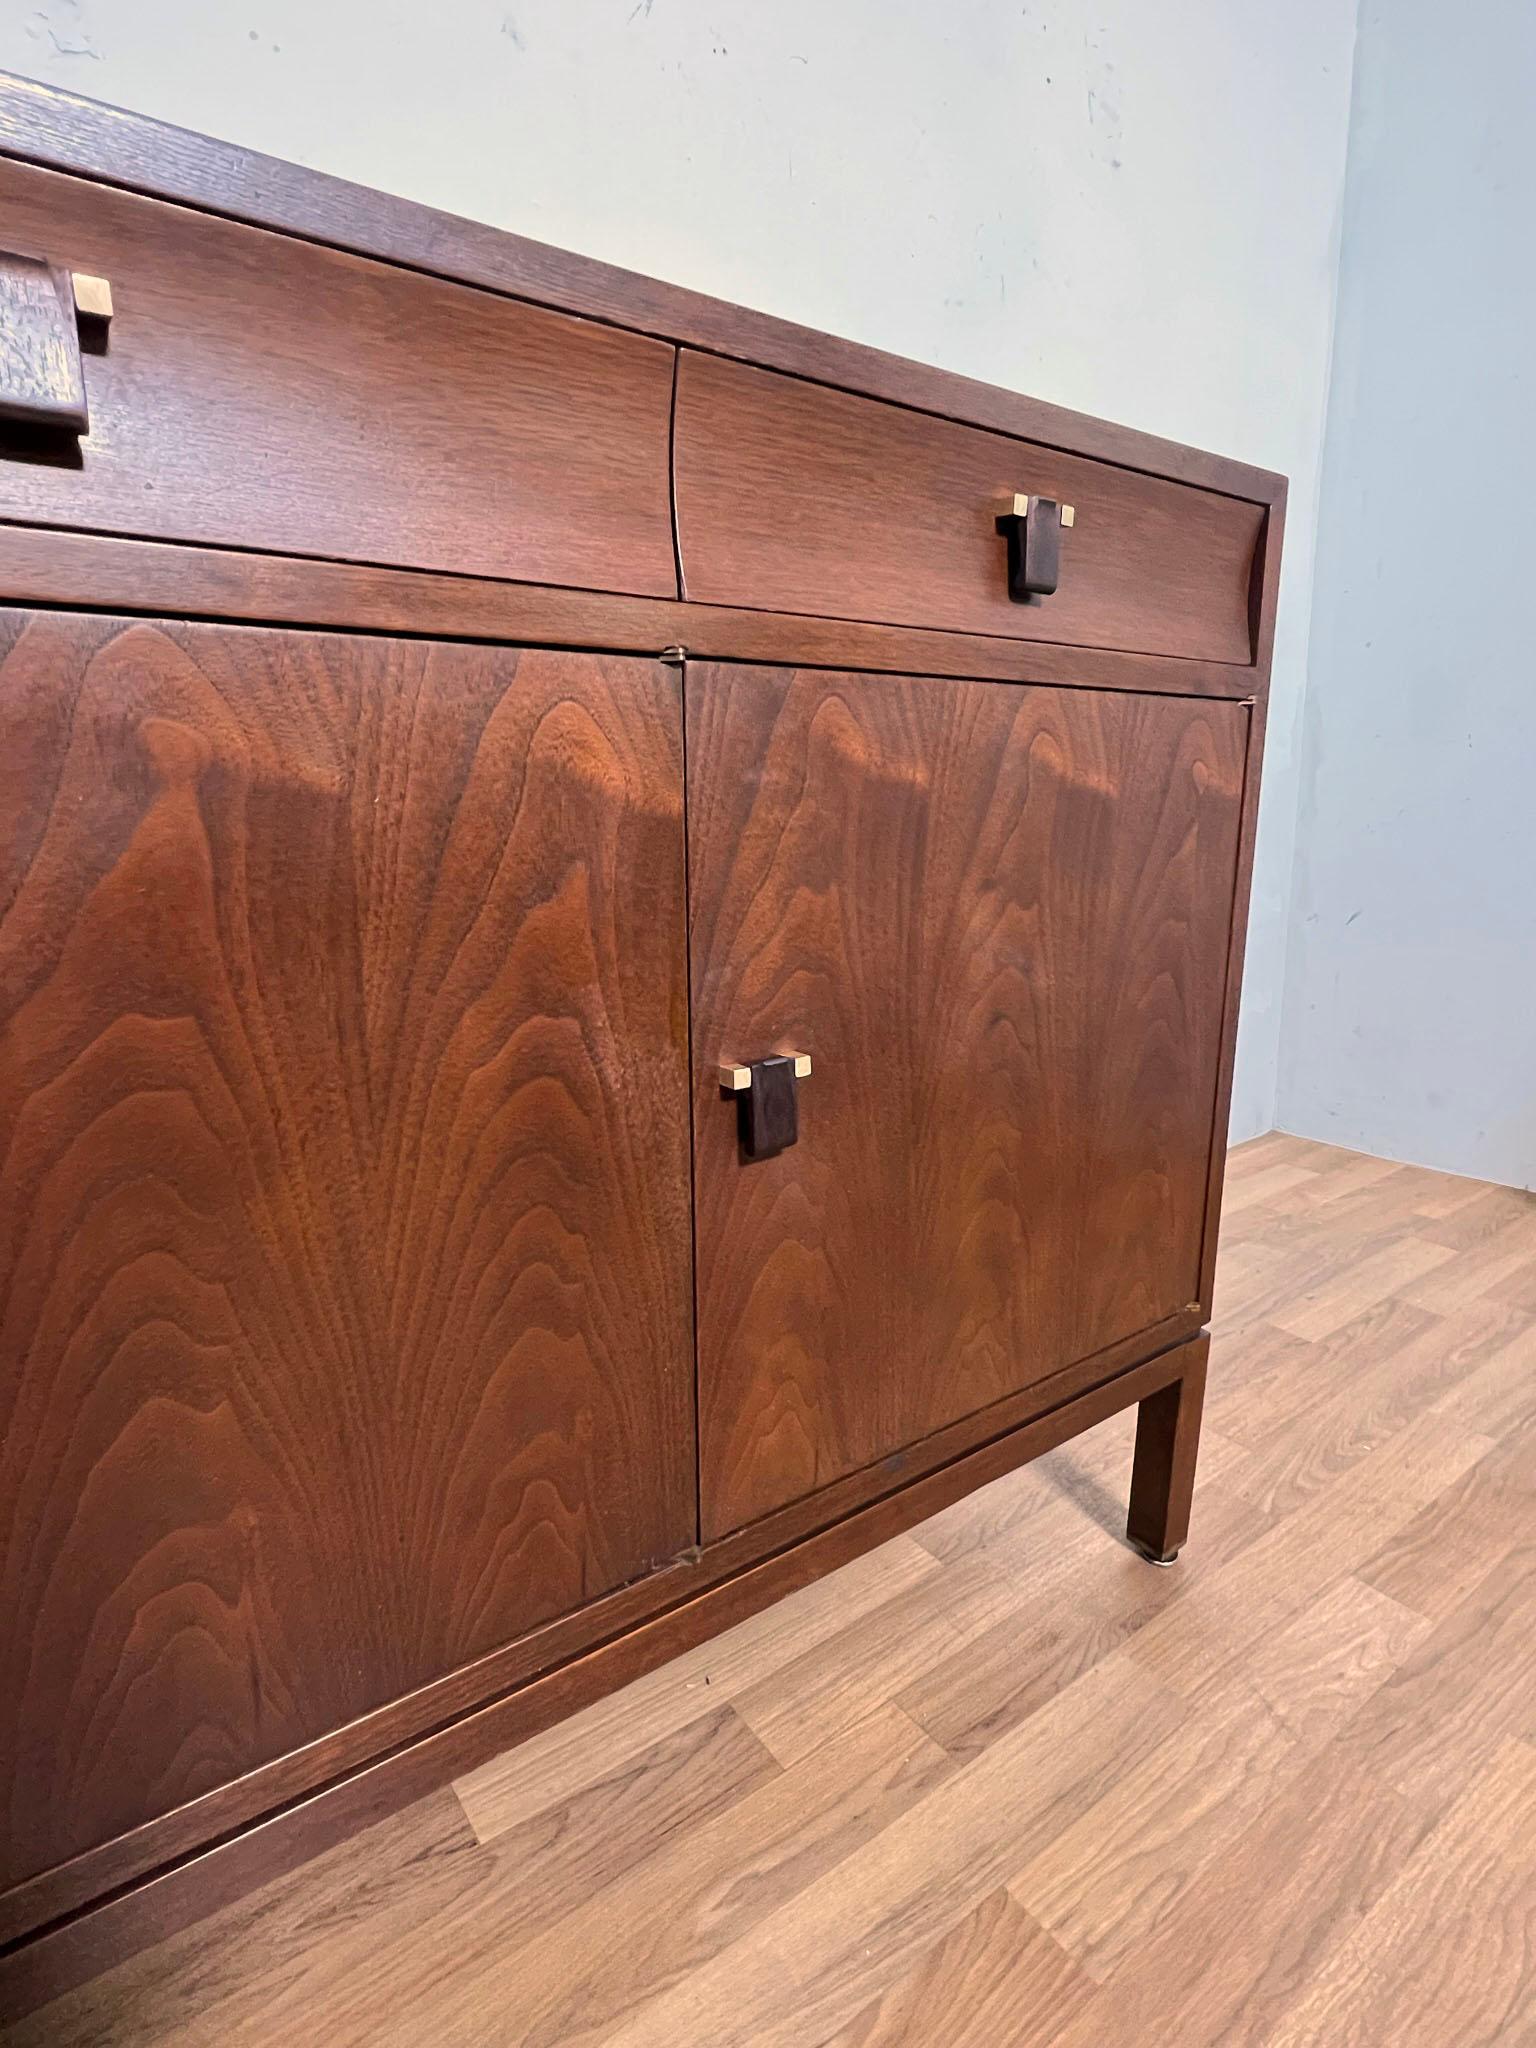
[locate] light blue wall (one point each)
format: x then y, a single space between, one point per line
1410 1015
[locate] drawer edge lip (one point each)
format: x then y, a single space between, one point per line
242 555
73 568
1090 649
99 1876
69 132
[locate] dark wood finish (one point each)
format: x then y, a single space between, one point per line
793 498
41 382
815 1511
77 568
47 125
1163 1474
371 1455
271 1786
1294 1732
263 393
1266 591
997 919
84 1944
344 1263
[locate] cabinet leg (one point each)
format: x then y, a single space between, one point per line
1163 1473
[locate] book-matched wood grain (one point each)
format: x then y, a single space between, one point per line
343 1212
260 392
1313 1844
997 919
459 1724
796 498
343 1015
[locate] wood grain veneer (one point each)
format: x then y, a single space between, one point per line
347 1010
795 498
1314 1824
344 1257
701 1602
259 392
997 919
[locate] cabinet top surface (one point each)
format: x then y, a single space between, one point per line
65 131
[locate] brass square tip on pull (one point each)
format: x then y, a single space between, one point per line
1033 532
767 1108
735 1080
1019 509
93 297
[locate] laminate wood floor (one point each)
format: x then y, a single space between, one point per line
1002 1784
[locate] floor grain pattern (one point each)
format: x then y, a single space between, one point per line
999 1783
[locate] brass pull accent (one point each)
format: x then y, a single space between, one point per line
93 297
734 1079
1032 528
43 309
767 1101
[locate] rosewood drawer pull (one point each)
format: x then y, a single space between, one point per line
767 1100
1033 532
43 309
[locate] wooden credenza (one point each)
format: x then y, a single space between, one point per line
465 711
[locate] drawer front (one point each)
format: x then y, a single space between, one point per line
266 393
996 918
794 497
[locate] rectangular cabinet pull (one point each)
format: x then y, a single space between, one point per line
43 308
767 1099
1032 528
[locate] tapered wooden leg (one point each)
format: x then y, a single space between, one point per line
1163 1474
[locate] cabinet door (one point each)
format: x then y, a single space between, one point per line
344 1255
997 918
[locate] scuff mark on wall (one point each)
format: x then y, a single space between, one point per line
64 26
1104 127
